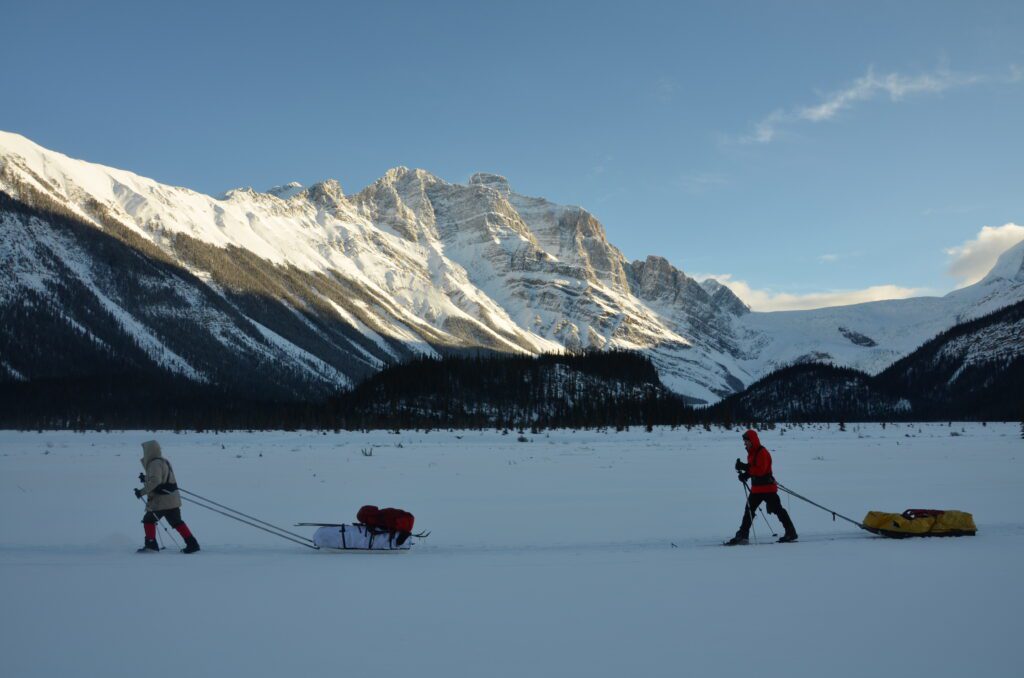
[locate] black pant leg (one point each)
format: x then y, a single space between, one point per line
753 501
774 505
172 516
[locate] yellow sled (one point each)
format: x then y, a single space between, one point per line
920 523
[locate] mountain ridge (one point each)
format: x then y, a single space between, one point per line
415 265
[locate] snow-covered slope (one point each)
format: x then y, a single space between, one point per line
333 286
873 335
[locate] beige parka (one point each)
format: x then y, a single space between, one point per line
158 472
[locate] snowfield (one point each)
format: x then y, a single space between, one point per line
572 554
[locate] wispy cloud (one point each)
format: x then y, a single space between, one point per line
768 300
664 89
974 258
828 258
896 85
601 166
697 183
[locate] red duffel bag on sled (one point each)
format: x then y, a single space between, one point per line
390 520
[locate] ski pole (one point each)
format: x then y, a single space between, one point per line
750 514
823 508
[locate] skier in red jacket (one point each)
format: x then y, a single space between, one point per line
758 469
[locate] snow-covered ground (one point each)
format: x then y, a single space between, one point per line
552 557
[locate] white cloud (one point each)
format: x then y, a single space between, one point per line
764 131
969 263
767 300
975 258
866 87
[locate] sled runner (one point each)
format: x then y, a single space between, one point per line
920 523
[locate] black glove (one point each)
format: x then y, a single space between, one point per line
142 477
740 466
138 494
744 477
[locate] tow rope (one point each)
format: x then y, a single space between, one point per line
823 508
234 515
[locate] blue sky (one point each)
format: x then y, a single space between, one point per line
808 151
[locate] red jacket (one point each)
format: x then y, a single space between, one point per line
760 466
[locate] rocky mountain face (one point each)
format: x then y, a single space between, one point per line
297 292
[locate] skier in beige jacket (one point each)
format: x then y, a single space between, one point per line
163 501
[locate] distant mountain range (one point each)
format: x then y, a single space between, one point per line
293 294
971 371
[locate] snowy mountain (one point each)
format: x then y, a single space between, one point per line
971 371
871 336
297 292
974 369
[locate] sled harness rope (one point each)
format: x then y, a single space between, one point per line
234 515
823 508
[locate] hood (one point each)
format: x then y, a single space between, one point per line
150 451
750 435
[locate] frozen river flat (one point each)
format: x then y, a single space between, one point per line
571 554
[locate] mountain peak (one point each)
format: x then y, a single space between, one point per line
495 181
286 191
711 285
240 191
723 297
326 193
1009 266
402 174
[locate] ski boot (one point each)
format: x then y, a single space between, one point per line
149 545
191 545
787 538
738 540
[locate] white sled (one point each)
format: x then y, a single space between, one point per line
358 538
